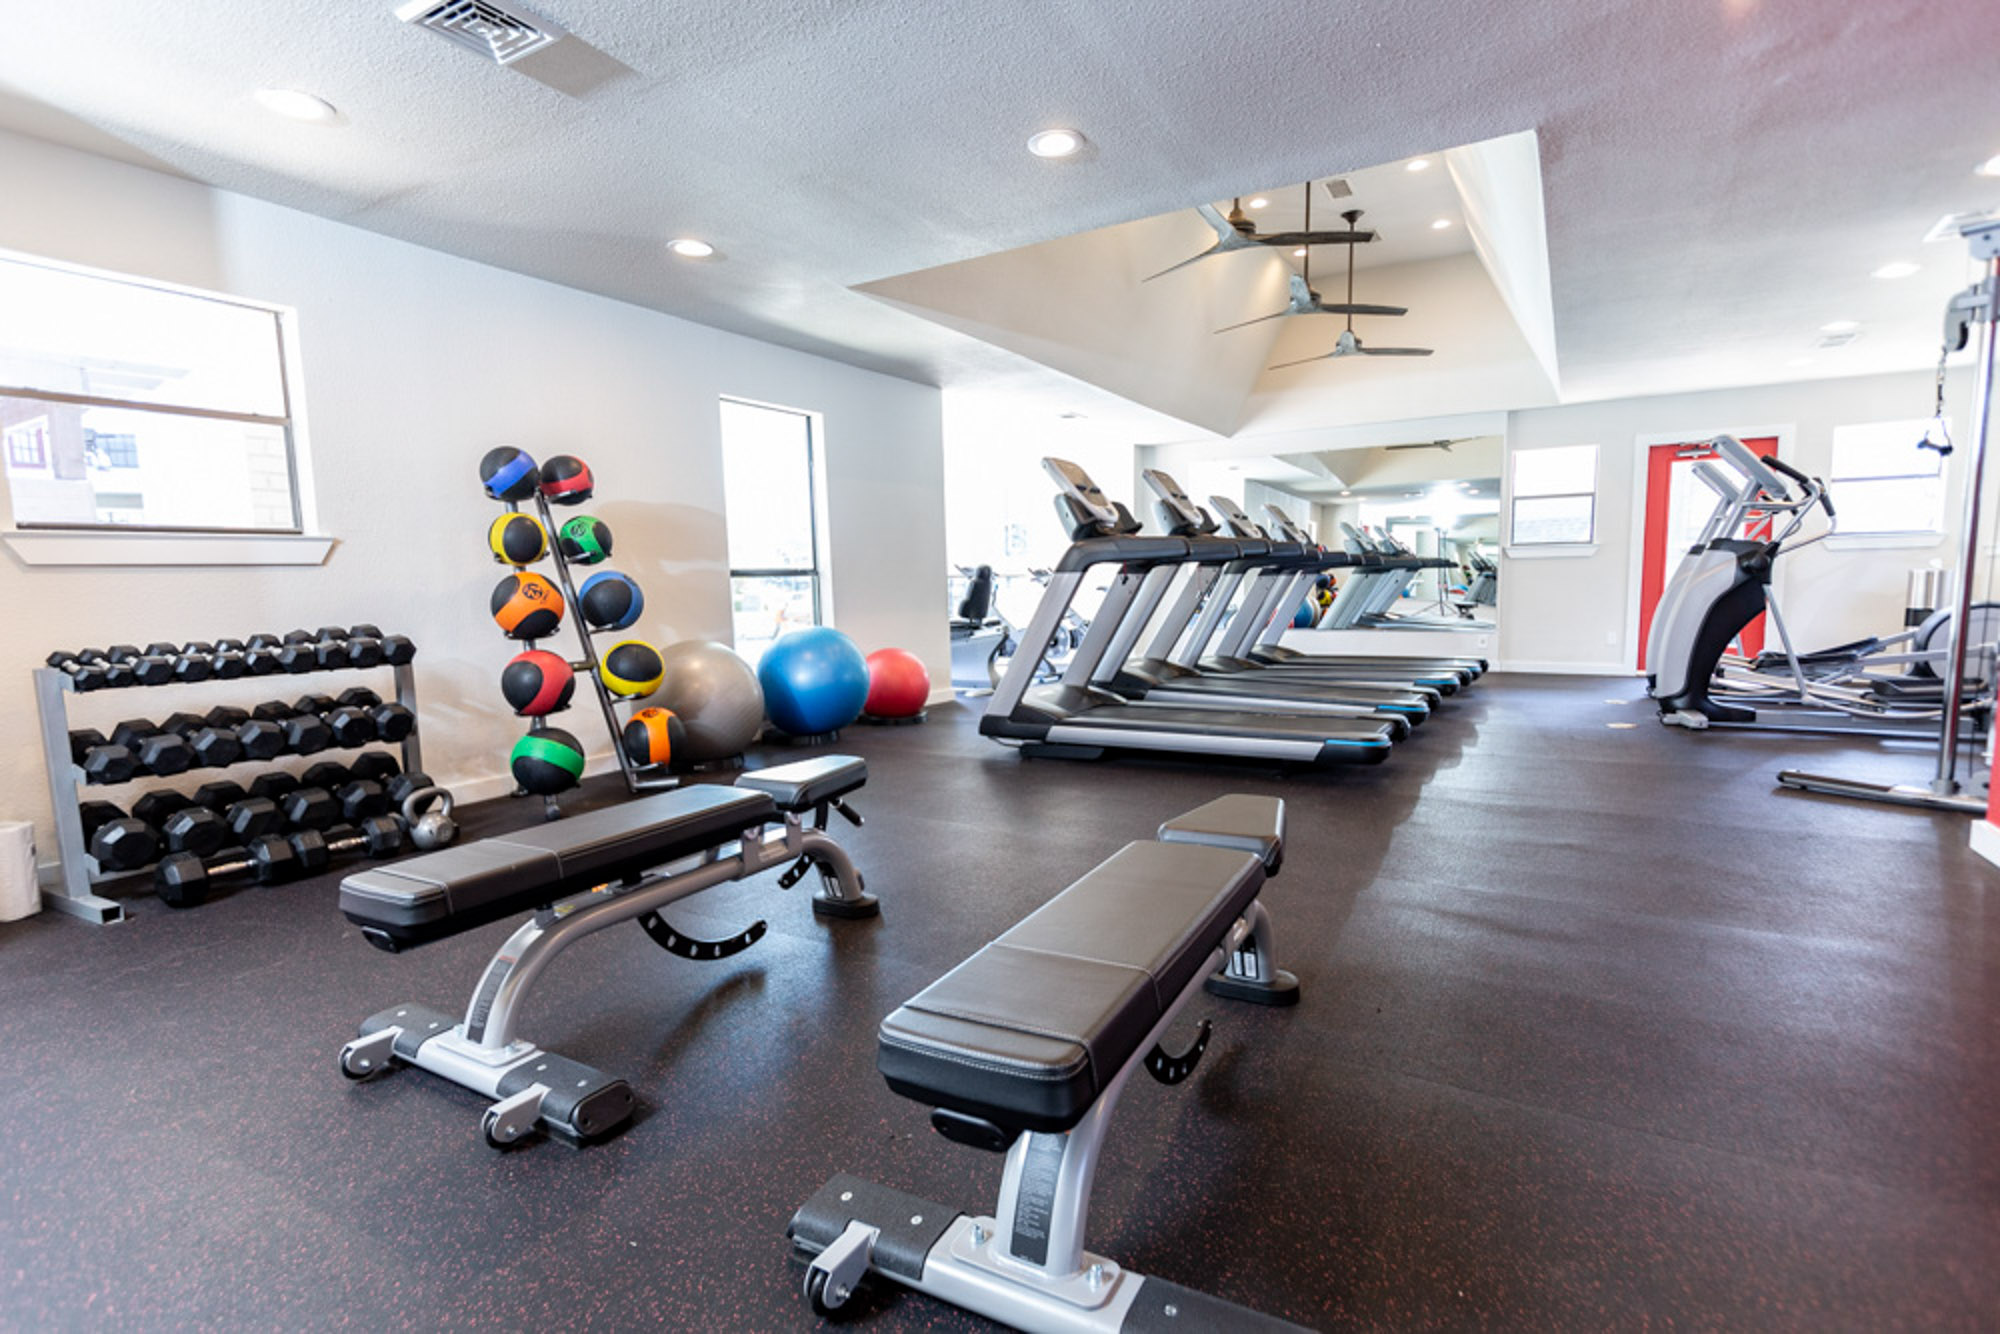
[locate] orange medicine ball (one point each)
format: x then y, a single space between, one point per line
527 606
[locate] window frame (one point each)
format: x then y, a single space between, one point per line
815 573
1835 481
287 423
87 544
1514 498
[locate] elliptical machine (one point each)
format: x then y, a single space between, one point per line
1723 583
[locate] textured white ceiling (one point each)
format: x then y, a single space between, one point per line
1720 175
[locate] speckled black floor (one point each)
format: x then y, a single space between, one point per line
1597 1031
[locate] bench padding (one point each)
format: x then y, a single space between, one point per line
803 784
1029 1031
455 889
1251 824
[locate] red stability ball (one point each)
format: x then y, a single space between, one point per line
899 684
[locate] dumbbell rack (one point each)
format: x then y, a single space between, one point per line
75 889
637 777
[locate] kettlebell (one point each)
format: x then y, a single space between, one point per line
427 812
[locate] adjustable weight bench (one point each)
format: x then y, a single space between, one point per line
1024 1049
578 877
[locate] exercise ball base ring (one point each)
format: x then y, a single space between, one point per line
907 720
784 738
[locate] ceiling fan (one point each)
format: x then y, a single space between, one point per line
1349 344
1303 300
1238 231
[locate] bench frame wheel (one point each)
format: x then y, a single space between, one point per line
835 1274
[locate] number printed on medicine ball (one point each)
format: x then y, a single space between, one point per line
527 606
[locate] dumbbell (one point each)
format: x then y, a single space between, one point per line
376 765
118 841
309 808
195 829
183 879
364 652
261 654
148 668
393 722
378 836
351 725
229 666
397 650
85 669
155 750
244 817
211 747
296 655
274 785
105 762
401 786
191 667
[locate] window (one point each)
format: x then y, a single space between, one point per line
768 495
1555 496
128 404
1883 483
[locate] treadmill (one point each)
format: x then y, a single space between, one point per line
1268 599
1074 719
1154 681
1265 646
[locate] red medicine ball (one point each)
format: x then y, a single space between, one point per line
537 682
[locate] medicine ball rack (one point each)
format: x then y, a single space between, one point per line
638 778
77 873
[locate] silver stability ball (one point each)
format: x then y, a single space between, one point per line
715 694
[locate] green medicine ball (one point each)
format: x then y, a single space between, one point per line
585 540
547 762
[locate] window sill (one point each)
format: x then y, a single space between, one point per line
1883 541
53 548
1551 551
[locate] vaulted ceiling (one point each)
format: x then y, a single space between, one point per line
1719 177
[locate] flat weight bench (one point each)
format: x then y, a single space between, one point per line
1025 1047
578 877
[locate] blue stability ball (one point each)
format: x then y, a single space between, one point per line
814 681
1302 619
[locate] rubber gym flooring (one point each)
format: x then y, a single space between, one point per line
1596 1032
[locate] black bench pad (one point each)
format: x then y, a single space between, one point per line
804 784
1029 1031
1251 824
455 889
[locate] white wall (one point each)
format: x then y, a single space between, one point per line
1582 611
415 363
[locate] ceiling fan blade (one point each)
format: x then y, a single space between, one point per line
1218 224
1394 351
1314 238
1212 250
1244 324
1324 356
1360 308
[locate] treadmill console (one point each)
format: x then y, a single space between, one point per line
1291 529
1179 516
1076 484
1240 524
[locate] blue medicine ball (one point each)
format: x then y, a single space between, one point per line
814 681
1302 619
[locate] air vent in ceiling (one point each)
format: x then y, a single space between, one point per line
1338 188
500 34
1837 340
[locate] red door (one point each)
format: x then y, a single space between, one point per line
1676 506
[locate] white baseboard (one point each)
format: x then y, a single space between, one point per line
1986 840
1564 668
941 695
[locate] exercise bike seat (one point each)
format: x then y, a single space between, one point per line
804 784
455 889
1028 1032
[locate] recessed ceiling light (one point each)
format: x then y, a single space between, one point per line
1439 224
295 105
1417 164
1300 253
1346 493
688 247
1901 268
1840 326
1055 143
1990 167
1259 202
